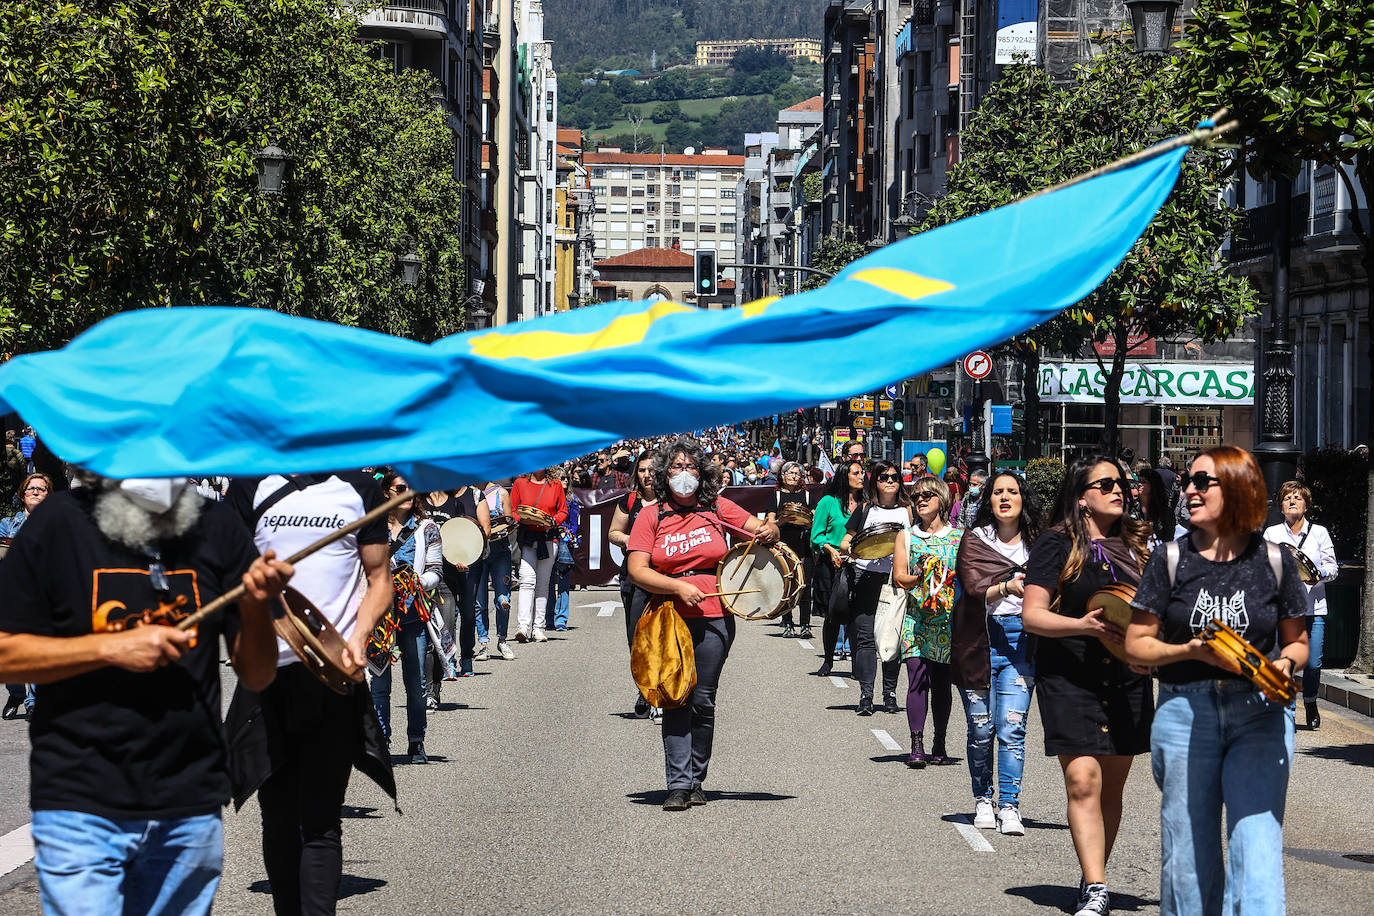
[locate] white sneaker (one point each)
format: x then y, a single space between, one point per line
521 635
482 654
1009 822
506 651
984 817
540 635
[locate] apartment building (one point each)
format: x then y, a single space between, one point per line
536 211
657 200
721 53
574 241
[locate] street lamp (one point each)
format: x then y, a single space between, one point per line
1152 24
410 269
272 163
478 318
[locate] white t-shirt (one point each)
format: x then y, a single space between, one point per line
1016 553
332 578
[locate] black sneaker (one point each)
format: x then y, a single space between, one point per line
823 670
805 633
677 800
417 752
641 707
697 796
789 631
865 706
12 708
1094 901
890 702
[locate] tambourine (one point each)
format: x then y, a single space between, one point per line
501 526
1307 570
462 541
315 641
1115 603
531 517
795 514
1259 670
876 541
759 581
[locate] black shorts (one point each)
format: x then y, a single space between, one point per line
1098 719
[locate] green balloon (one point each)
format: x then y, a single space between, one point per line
935 461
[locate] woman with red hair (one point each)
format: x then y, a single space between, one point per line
1217 743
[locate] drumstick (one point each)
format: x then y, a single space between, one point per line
747 547
747 591
238 592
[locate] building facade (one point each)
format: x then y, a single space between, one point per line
574 241
538 178
848 152
657 200
721 53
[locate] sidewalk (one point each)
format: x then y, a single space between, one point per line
1348 689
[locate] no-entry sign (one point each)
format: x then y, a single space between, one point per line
978 364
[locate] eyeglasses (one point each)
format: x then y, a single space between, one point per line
924 495
682 467
1201 481
889 478
35 489
1106 485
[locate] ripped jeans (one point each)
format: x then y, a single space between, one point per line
1002 710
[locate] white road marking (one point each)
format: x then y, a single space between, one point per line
604 608
972 834
805 644
16 849
838 681
885 739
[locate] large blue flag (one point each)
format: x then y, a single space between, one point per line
241 391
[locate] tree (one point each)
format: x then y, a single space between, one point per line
1300 77
666 111
832 254
1029 134
128 175
678 135
752 59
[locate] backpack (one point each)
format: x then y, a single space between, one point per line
1172 552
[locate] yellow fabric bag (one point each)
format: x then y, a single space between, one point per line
661 660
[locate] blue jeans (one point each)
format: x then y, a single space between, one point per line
1001 710
92 865
1218 743
414 642
495 569
1312 674
556 610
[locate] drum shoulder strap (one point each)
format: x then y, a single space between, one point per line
1274 552
277 495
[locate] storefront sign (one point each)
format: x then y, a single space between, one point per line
1150 383
1016 31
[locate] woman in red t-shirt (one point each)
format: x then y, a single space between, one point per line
538 547
674 548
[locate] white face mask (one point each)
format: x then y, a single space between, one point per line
154 494
683 483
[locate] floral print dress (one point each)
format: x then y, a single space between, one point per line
931 558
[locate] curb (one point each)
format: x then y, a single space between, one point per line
1350 690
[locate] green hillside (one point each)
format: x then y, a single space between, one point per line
614 34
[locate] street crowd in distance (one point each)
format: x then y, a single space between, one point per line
946 576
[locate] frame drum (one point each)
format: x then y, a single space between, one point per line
315 641
795 514
1307 570
1115 602
462 540
534 518
876 541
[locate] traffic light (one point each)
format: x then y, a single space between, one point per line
704 272
899 414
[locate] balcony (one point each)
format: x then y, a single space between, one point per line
1254 235
414 19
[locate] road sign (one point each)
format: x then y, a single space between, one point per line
859 405
894 390
862 422
884 405
978 364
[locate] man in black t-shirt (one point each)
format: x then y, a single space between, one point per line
128 769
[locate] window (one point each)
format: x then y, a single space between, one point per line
653 190
599 226
618 245
923 70
708 210
707 192
598 172
652 225
708 227
600 208
548 203
617 227
637 209
689 192
728 194
651 207
727 211
636 192
652 241
677 224
548 154
727 228
689 210
637 174
922 152
618 174
617 190
689 174
548 106
599 190
689 226
651 173
636 228
708 174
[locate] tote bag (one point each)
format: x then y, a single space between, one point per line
661 659
887 622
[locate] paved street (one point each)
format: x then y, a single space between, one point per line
543 797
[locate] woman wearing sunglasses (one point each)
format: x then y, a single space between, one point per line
924 565
1217 742
990 648
884 501
1096 711
842 498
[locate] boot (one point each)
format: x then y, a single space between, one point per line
917 760
1314 717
